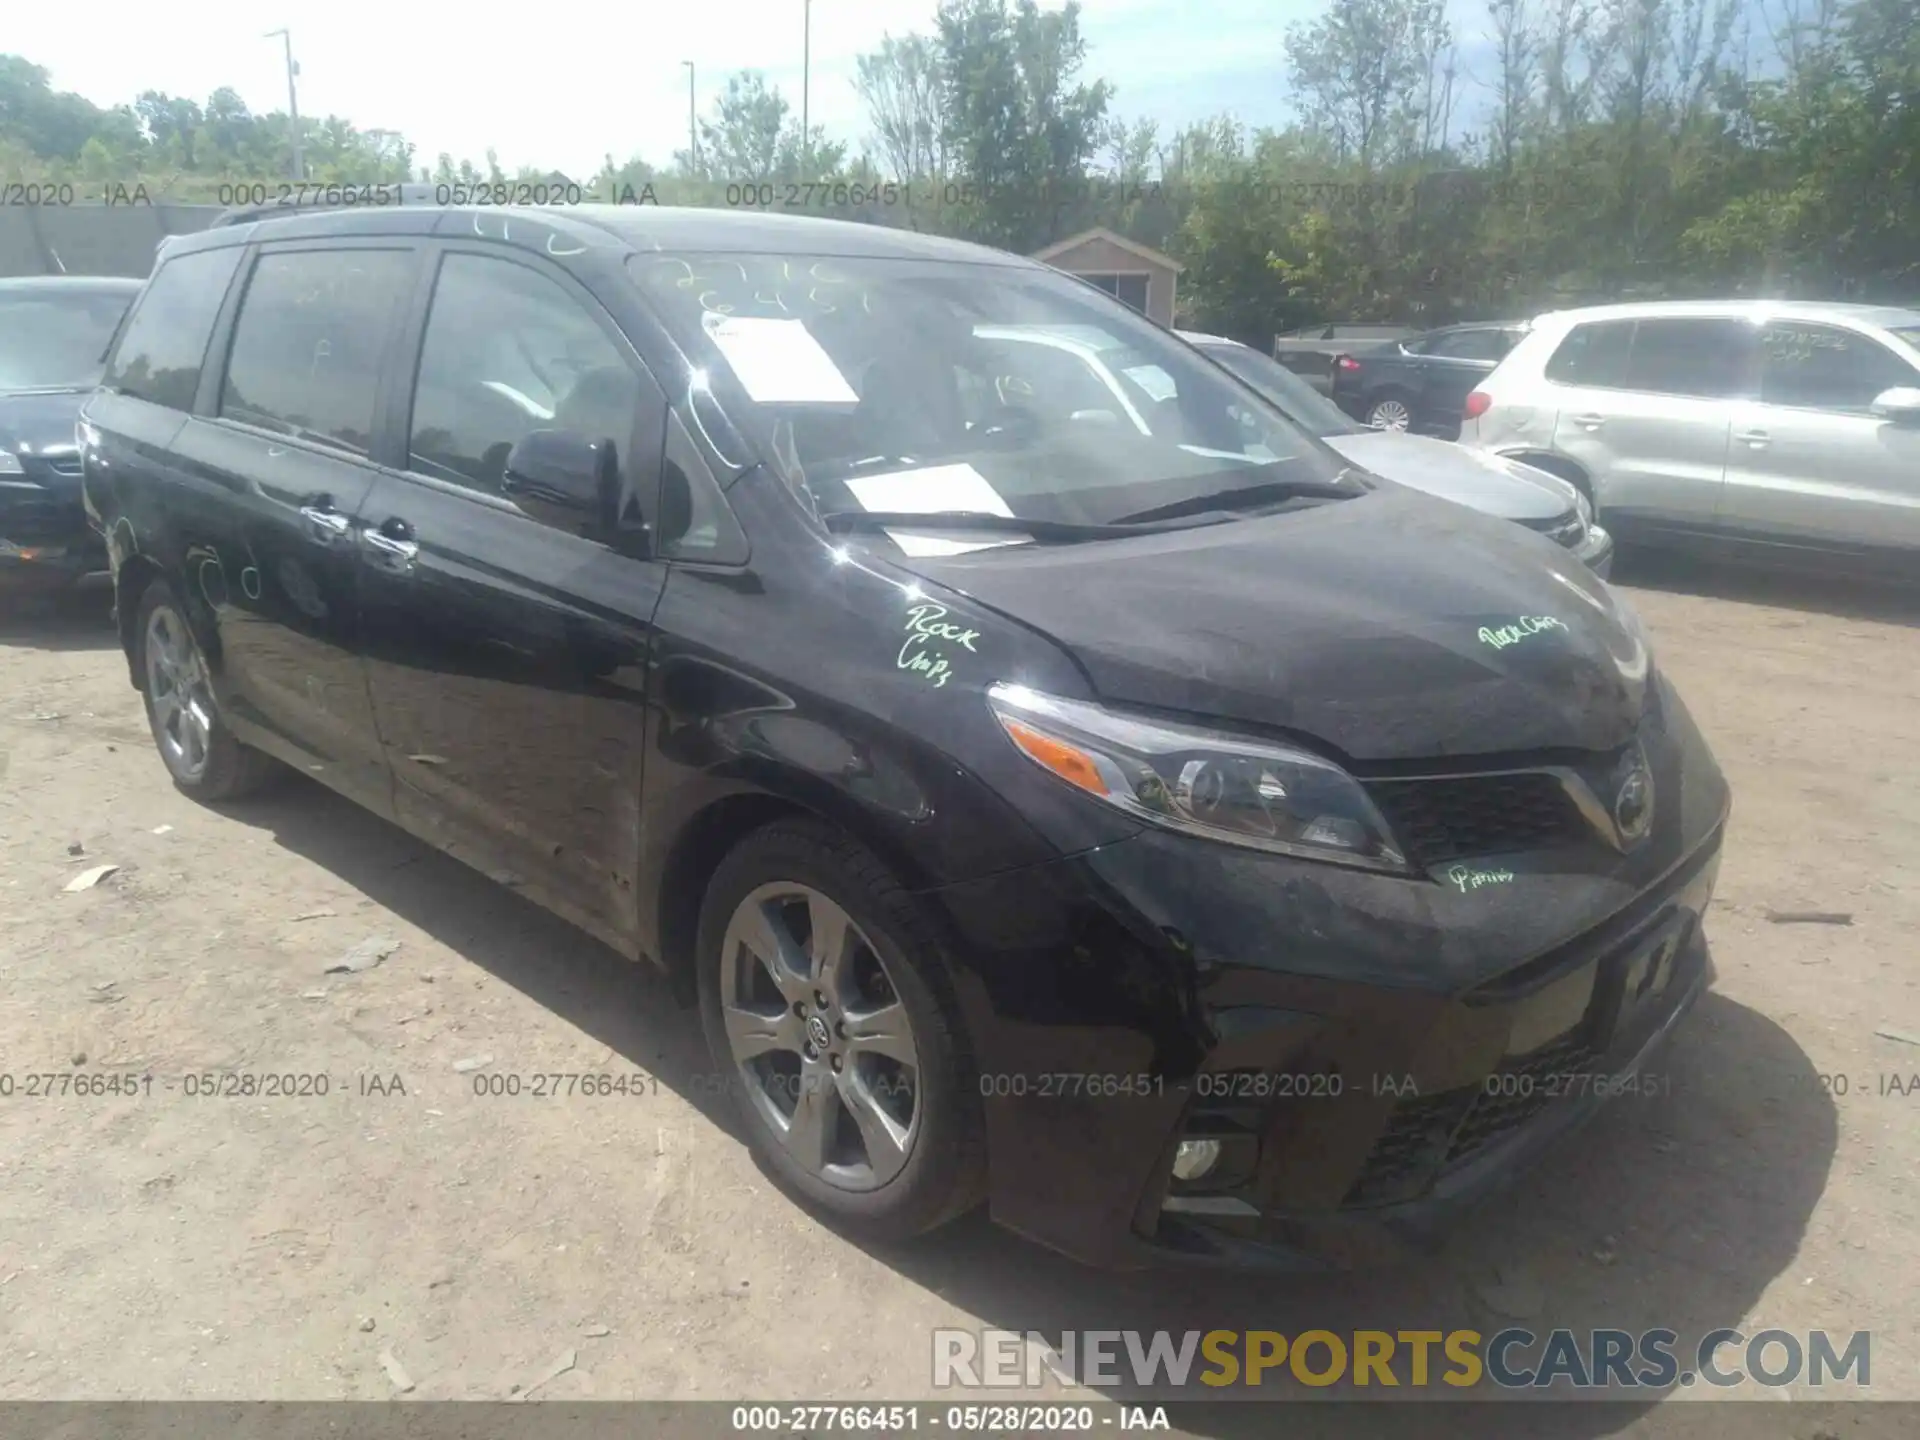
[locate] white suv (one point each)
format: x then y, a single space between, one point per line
1795 426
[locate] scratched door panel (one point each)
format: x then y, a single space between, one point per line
281 587
508 663
507 656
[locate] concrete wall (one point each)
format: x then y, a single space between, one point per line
1103 257
92 239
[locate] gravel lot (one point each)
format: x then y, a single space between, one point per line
185 1247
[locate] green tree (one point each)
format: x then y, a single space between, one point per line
1020 129
900 84
753 137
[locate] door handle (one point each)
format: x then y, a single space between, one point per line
1754 439
324 524
1589 422
391 546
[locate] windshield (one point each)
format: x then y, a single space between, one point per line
1304 405
913 386
1907 335
56 341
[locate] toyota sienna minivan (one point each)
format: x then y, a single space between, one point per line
1172 837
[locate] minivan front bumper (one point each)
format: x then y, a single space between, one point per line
32 566
1356 1117
1371 1053
46 543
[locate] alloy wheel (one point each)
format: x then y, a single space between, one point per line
820 1037
1389 415
179 692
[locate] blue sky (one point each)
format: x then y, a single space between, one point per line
562 87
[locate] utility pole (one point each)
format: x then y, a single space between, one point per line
806 75
293 101
693 135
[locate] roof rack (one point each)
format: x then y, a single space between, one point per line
307 198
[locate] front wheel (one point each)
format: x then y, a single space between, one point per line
200 753
830 1014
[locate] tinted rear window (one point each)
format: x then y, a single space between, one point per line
1593 354
1696 356
308 345
161 350
1710 359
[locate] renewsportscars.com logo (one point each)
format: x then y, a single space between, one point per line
1513 1359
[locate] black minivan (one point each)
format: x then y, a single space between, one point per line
1181 841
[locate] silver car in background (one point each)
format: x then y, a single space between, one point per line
1488 483
1794 428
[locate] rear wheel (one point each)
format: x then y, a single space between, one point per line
198 750
1390 412
828 1010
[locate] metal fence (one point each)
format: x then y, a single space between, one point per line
92 239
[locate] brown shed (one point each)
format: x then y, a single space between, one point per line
1135 273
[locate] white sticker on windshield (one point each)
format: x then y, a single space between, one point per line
948 543
778 361
932 488
1152 379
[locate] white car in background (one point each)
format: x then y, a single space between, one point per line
1488 483
1788 428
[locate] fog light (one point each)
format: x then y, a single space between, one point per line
1195 1158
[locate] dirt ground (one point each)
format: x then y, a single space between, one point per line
180 1246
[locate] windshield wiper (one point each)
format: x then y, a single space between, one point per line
1245 497
921 522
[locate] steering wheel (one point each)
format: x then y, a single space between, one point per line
1006 427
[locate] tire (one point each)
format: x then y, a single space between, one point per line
207 763
906 1189
1384 410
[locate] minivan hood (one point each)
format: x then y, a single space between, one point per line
1390 627
1468 477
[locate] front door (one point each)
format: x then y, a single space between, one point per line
1810 461
278 470
508 659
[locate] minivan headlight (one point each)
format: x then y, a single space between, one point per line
1255 793
10 463
1630 620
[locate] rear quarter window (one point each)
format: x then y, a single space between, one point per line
164 344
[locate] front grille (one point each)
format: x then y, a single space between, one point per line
1453 817
1568 529
1520 1090
1427 1136
1409 1149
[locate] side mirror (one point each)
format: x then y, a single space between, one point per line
564 480
1901 405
